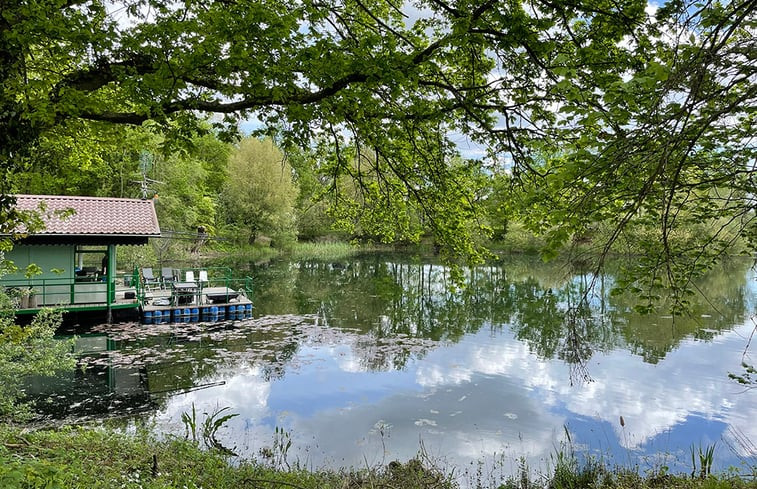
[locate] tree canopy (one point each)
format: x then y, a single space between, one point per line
597 110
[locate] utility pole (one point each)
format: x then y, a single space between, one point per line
145 164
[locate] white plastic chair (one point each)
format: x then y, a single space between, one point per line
203 278
190 276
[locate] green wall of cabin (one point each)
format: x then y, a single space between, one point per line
47 257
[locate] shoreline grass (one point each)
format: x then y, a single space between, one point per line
97 457
333 250
325 251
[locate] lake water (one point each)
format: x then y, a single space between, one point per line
377 359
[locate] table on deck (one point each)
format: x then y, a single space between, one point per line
218 295
185 293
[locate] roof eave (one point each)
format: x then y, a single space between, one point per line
86 239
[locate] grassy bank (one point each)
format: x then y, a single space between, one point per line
336 250
101 458
76 457
325 251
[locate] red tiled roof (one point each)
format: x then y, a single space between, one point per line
93 215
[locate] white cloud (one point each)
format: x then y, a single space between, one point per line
488 394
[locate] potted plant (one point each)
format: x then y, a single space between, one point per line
28 298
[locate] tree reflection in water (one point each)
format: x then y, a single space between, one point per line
389 310
558 313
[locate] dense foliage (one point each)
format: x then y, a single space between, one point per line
595 119
28 350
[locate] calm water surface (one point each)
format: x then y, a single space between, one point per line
378 359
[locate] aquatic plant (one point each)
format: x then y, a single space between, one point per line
277 454
706 456
190 424
209 427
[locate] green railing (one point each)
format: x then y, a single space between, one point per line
35 293
30 294
134 281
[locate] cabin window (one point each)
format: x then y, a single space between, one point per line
90 263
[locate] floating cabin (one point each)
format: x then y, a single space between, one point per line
76 269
